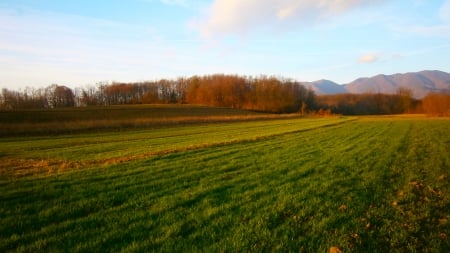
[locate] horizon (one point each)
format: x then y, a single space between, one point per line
111 82
83 43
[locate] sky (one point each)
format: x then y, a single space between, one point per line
83 42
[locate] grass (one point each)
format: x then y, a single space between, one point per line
90 119
115 112
64 151
296 185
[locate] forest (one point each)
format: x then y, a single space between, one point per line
263 93
268 94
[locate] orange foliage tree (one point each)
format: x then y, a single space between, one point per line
263 93
367 104
437 104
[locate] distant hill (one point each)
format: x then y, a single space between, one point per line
325 87
420 83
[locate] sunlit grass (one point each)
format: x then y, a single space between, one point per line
113 146
369 185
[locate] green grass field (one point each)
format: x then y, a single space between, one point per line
368 184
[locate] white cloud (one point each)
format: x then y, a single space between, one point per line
240 17
368 58
40 48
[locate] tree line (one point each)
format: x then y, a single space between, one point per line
434 104
263 93
369 103
52 96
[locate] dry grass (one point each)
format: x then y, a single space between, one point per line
117 118
81 126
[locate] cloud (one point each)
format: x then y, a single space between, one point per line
39 48
240 17
368 58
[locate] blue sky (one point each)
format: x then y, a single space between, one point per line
78 43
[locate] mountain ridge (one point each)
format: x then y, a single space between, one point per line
420 83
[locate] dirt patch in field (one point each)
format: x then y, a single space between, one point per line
22 167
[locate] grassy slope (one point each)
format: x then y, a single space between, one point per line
368 185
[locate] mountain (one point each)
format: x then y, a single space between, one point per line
420 83
325 87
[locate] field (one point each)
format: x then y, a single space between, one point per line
367 184
85 119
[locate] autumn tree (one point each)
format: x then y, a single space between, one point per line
367 104
437 104
29 98
406 99
262 93
59 96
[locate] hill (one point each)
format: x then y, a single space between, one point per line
325 87
420 83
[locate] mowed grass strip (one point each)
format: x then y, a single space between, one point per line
59 152
376 185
